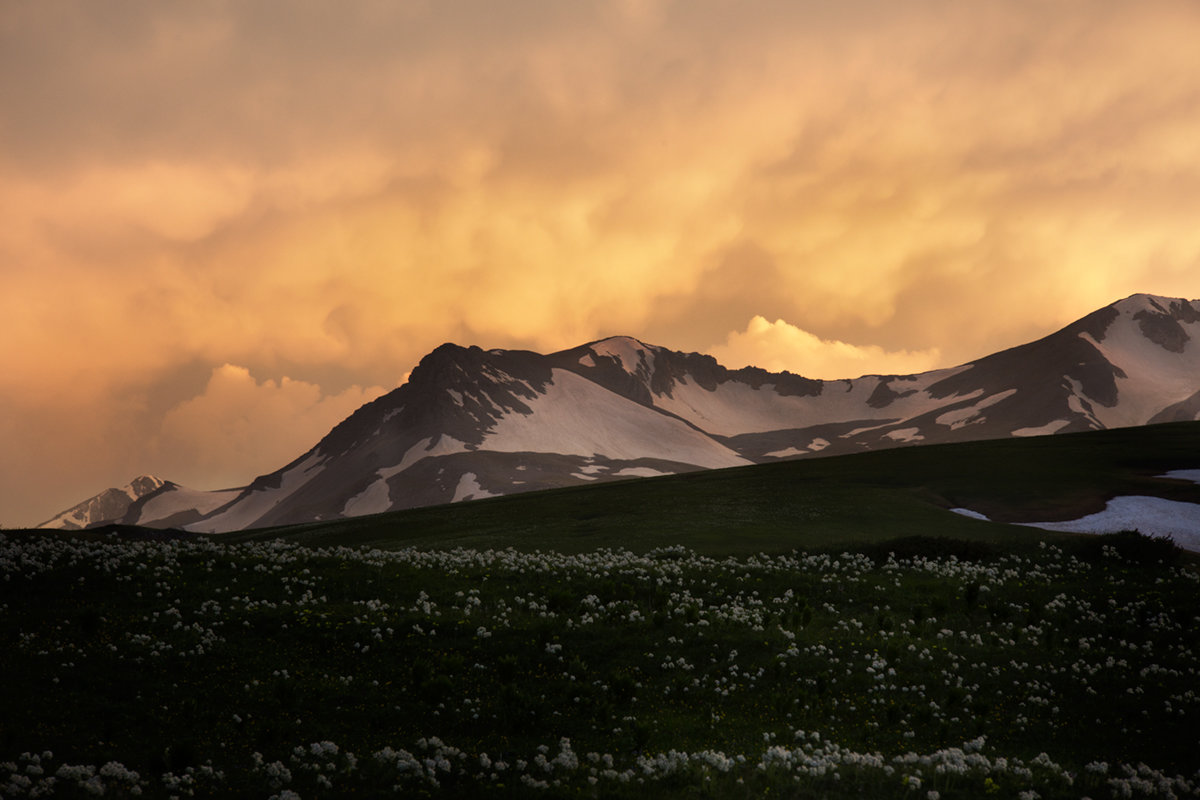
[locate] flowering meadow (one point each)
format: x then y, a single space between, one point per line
190 667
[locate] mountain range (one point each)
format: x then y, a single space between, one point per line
472 423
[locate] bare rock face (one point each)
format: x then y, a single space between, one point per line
473 423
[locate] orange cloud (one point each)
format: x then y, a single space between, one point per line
331 192
239 428
778 346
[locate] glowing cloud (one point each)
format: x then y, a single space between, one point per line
239 428
329 191
778 346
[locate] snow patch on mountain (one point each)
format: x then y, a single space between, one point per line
734 408
251 507
469 489
180 499
629 351
640 472
426 448
960 417
1043 430
1154 376
785 452
1151 303
1192 475
815 446
867 429
375 499
576 417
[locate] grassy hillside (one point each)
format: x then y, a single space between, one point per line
810 503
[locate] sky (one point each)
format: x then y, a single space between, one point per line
227 225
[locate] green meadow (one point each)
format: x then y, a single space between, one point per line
821 628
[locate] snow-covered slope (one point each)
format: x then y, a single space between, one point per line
472 423
573 417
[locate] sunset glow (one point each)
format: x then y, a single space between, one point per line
226 226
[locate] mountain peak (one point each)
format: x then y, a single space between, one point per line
1152 303
108 505
622 341
633 355
143 485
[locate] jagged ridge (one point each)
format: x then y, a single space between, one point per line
472 423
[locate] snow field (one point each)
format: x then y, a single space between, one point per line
575 417
735 408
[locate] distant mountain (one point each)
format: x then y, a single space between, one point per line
108 505
471 423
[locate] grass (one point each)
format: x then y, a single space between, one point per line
222 669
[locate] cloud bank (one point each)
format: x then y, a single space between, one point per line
327 192
241 426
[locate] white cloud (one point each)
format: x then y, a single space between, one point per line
778 346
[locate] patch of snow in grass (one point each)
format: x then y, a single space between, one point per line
966 512
1192 475
1151 516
